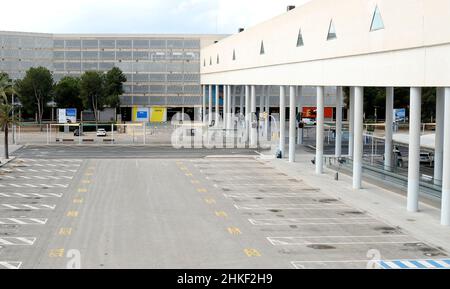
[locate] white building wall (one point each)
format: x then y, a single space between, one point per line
412 50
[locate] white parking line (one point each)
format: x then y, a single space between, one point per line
17 241
274 195
341 240
313 221
23 221
28 206
291 206
10 264
31 195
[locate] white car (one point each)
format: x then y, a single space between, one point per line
309 121
101 132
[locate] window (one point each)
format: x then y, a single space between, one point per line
217 59
377 20
210 61
331 31
261 50
300 38
234 54
204 62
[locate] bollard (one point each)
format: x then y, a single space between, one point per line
336 176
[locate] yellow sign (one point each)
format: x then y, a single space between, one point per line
158 114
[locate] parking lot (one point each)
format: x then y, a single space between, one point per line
33 196
201 211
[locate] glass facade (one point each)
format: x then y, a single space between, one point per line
160 70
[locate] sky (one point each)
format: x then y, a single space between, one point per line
138 16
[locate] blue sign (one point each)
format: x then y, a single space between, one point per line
71 112
142 114
400 114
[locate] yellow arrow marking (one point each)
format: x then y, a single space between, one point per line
56 253
221 214
250 252
65 231
234 231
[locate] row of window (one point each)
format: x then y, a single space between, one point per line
376 24
128 44
126 55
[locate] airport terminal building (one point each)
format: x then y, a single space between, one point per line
161 70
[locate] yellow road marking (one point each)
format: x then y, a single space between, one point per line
202 190
195 182
250 252
72 214
78 200
86 181
179 163
88 174
210 201
188 174
56 253
221 214
82 190
183 168
65 231
234 231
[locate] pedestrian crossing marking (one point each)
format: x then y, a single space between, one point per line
23 221
415 264
17 241
10 265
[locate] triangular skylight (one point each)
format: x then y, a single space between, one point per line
299 38
217 59
261 51
377 20
234 54
331 31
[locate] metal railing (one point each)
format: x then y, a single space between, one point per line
389 175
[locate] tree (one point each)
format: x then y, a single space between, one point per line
114 86
67 93
35 90
92 91
6 109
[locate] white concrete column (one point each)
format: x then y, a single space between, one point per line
320 121
300 110
267 110
292 122
225 106
338 139
217 106
282 119
414 149
388 129
247 113
229 108
210 111
203 116
445 201
439 136
233 100
241 101
253 122
351 118
358 136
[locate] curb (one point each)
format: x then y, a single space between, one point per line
5 161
